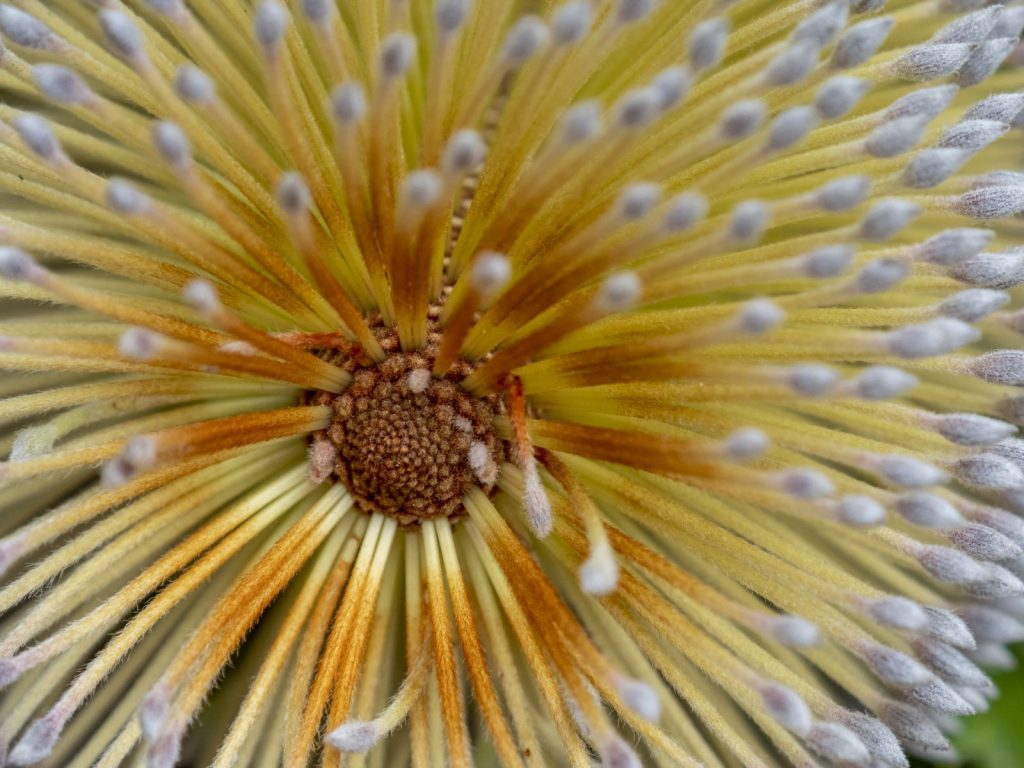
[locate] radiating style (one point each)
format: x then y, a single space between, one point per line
507 383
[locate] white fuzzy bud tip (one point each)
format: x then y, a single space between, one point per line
822 26
322 458
421 188
931 61
787 708
950 664
828 261
794 631
1000 107
60 84
38 136
928 510
193 85
167 7
26 30
837 744
527 36
995 202
571 21
1000 367
908 472
760 316
970 28
881 275
954 245
746 444
859 512
707 43
913 726
1009 24
348 102
793 64
491 272
839 95
843 193
124 198
140 451
805 483
972 429
450 15
637 200
17 265
939 697
638 108
995 656
537 503
791 126
122 34
684 211
599 573
749 221
619 292
37 742
924 101
811 379
481 462
742 119
946 626
860 42
138 344
935 337
34 441
317 11
995 270
984 543
672 85
581 122
418 380
884 746
616 753
894 137
984 61
202 296
355 736
633 10
950 565
292 194
988 471
990 625
882 382
639 697
396 54
1012 449
887 217
463 153
931 167
171 143
999 178
898 613
270 24
896 668
972 135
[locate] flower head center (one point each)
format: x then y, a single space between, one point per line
407 444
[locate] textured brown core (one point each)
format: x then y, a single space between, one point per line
402 440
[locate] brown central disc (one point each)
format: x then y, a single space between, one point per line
403 440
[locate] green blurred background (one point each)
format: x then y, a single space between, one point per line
996 739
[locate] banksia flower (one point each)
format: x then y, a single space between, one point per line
507 383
